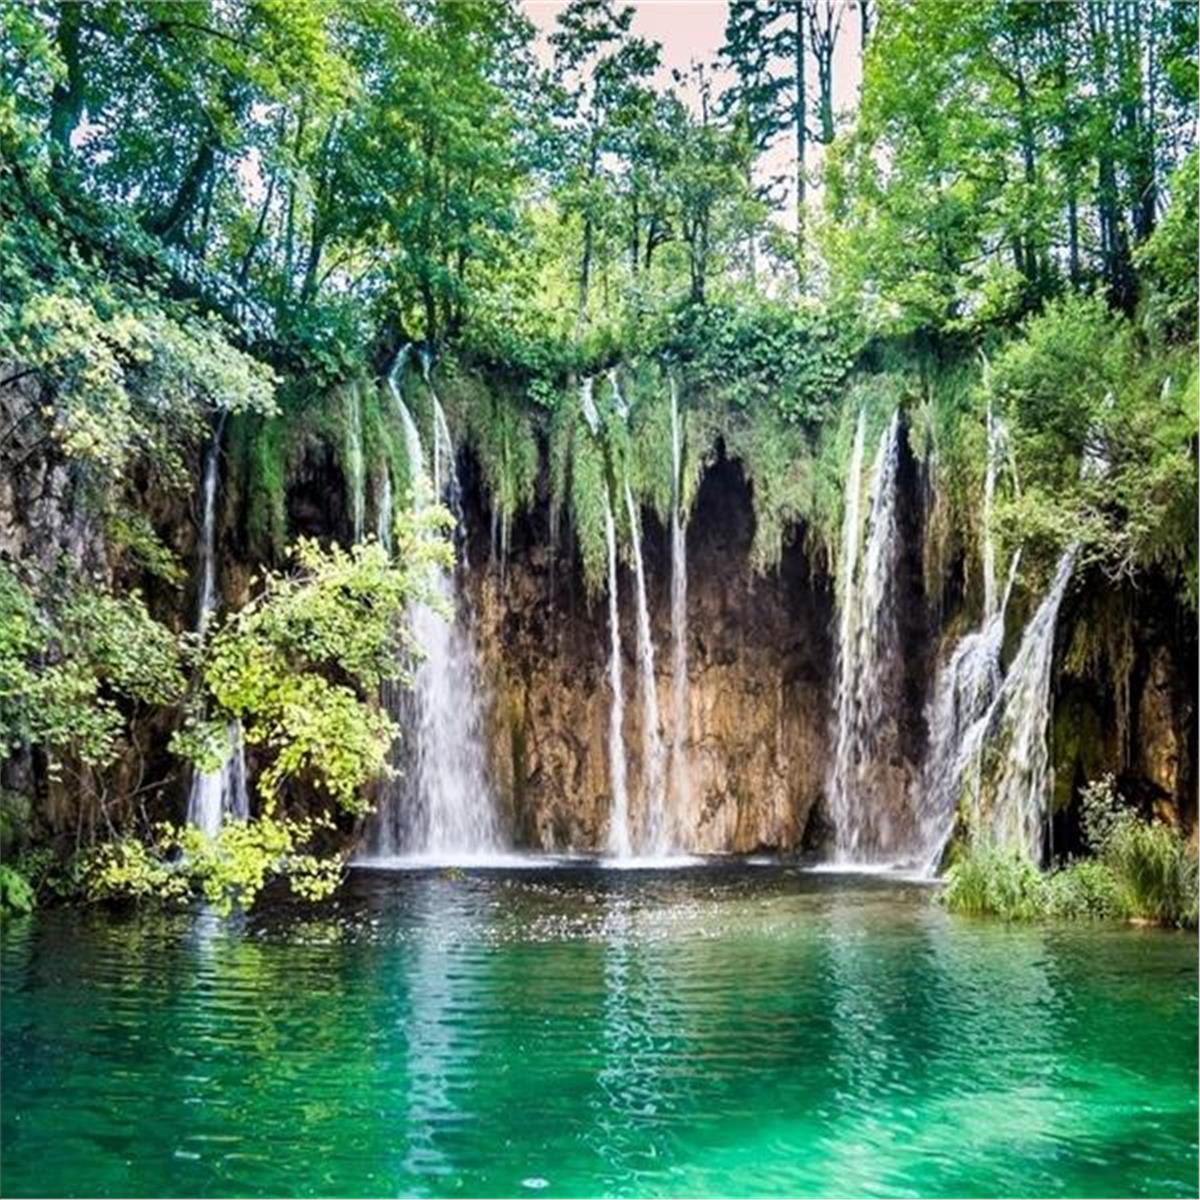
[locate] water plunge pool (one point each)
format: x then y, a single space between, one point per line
723 1028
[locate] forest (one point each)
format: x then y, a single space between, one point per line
231 231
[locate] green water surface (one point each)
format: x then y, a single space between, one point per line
733 1030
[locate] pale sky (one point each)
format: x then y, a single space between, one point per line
694 30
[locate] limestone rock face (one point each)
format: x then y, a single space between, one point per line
759 679
1162 730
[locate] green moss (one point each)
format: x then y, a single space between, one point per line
268 452
589 496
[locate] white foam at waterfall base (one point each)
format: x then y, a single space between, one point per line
441 807
216 795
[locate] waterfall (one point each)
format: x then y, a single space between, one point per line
619 840
618 826
653 839
966 687
653 761
867 650
1013 812
443 807
847 620
967 684
222 793
355 475
383 509
680 775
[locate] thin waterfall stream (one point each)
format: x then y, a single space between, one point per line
215 795
653 839
620 842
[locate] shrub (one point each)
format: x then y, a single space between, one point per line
1087 888
1154 868
992 882
16 896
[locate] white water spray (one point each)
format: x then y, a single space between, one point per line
443 807
355 472
653 753
967 684
1012 812
618 826
867 650
220 794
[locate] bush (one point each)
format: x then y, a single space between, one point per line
1144 870
998 883
1153 865
1083 889
16 896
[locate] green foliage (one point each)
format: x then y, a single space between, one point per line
589 501
16 896
298 666
501 433
995 882
1104 437
751 355
1154 867
132 531
66 670
1085 889
1143 870
228 870
1168 260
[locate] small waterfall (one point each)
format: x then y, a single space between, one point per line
653 758
680 774
1013 811
384 516
355 472
867 650
443 807
215 795
847 631
653 839
620 843
967 684
966 687
618 827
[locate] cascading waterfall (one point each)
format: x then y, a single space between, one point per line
355 472
967 684
444 807
618 826
653 759
215 795
1013 813
680 775
619 841
847 619
383 509
867 648
653 840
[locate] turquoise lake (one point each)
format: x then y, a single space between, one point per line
721 1029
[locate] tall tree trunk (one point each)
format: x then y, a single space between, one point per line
66 100
171 224
800 116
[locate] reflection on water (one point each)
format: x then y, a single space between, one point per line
724 1029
